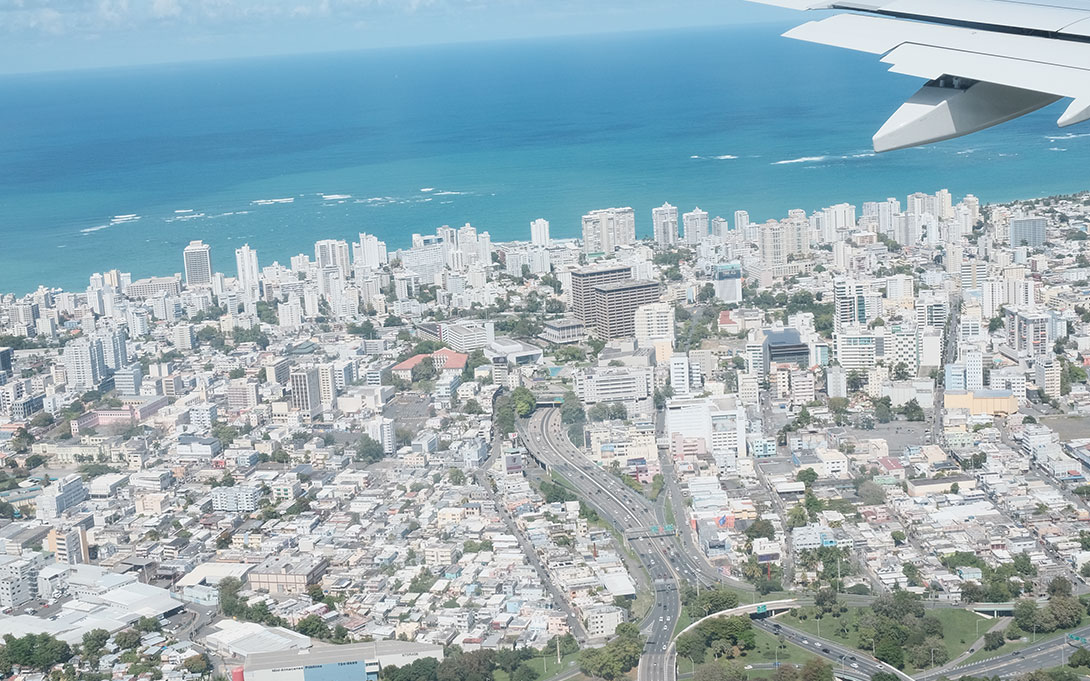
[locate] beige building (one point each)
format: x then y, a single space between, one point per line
287 574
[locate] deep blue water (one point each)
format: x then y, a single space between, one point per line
501 133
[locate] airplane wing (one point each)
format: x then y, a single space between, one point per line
986 61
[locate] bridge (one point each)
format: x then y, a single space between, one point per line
650 532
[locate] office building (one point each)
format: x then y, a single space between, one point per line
332 253
306 396
197 260
613 307
605 230
1028 232
1048 377
584 280
1029 331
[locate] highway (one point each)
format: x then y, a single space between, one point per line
625 509
1044 654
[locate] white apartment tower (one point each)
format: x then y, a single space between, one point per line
539 232
332 253
664 220
695 226
604 230
249 275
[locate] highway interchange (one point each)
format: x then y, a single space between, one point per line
671 561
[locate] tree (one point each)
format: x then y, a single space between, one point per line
147 625
883 412
525 672
197 664
913 411
524 401
807 476
457 477
127 640
993 640
94 641
1025 614
995 324
1059 586
889 651
314 627
472 407
1079 658
424 370
369 450
871 493
816 669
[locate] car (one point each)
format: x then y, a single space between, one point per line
855 665
824 650
664 646
852 658
805 642
748 666
1016 653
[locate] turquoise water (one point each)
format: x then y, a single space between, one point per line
494 134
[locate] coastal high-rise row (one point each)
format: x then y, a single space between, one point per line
664 222
197 259
604 230
539 232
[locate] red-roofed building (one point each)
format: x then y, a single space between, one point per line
892 467
727 324
446 361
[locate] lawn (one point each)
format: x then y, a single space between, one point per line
551 668
959 627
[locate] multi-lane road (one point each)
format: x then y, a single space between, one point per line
626 509
669 562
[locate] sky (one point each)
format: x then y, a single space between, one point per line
49 35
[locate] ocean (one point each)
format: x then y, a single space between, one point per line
280 152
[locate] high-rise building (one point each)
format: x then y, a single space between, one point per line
249 275
1048 377
372 252
306 394
539 232
853 303
613 307
780 239
664 222
332 253
185 337
1028 232
695 226
7 360
974 370
604 230
584 280
741 220
84 363
197 259
654 322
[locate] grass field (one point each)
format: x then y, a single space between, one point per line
683 620
551 668
959 627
